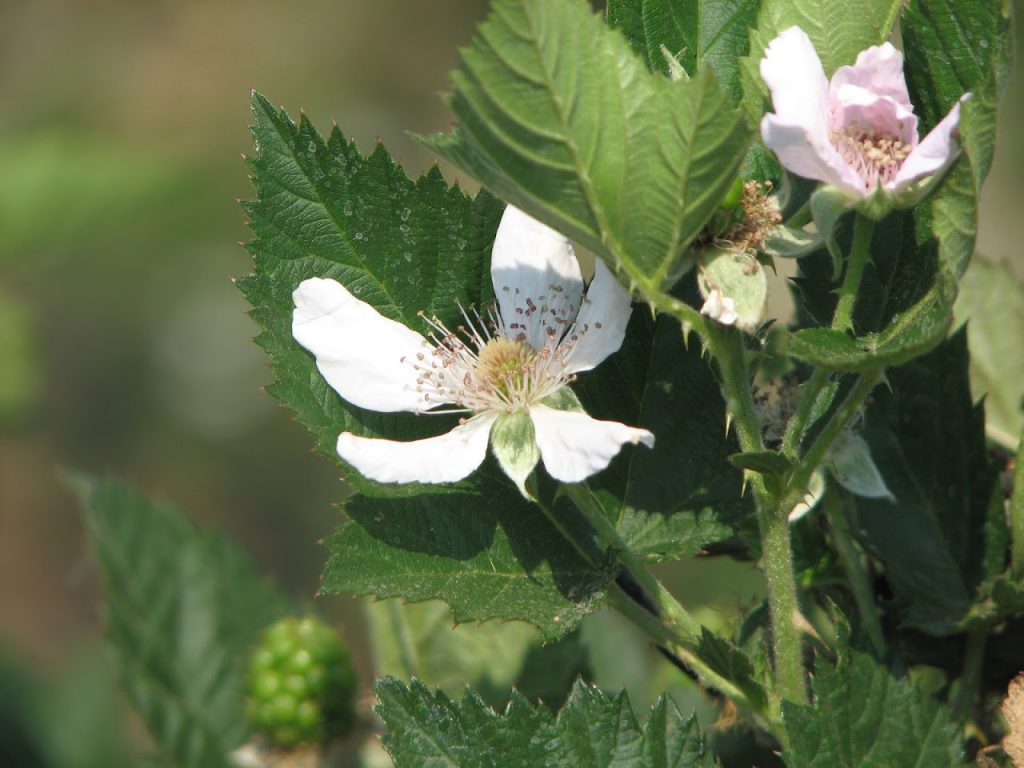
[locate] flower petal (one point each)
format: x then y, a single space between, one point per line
536 278
935 153
574 446
601 324
810 155
792 70
878 69
860 108
366 358
442 459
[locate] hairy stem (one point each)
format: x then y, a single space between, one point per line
1017 513
860 255
773 520
856 572
970 681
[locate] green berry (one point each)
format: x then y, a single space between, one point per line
732 198
301 683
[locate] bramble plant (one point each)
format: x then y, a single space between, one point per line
540 392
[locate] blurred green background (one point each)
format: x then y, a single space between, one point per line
124 348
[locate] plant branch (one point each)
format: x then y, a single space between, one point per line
853 564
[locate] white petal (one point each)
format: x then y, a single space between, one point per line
720 307
878 69
935 153
536 278
601 324
359 351
574 446
443 459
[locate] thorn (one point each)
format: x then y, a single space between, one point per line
728 423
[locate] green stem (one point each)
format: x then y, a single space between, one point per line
860 254
840 420
773 519
787 641
797 426
1017 513
856 572
970 681
668 607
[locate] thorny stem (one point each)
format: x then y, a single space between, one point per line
860 254
773 519
726 346
853 563
671 627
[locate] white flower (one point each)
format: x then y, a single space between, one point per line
720 307
857 132
542 332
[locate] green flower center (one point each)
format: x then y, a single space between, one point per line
507 365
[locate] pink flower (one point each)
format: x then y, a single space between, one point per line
857 132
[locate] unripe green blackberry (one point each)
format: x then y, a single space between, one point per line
301 683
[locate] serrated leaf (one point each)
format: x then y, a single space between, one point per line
864 716
932 543
559 117
592 729
183 611
325 210
698 33
991 301
672 501
907 335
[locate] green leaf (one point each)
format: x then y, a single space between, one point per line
183 611
673 500
907 335
420 641
592 729
864 716
764 462
559 117
991 301
699 33
932 544
325 210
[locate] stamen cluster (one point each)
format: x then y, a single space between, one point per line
489 363
876 156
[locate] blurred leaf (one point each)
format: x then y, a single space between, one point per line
991 301
864 716
19 367
183 610
700 33
932 543
421 641
325 210
426 729
58 190
546 89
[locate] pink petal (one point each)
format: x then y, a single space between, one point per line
446 458
792 70
934 154
856 107
809 155
879 70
